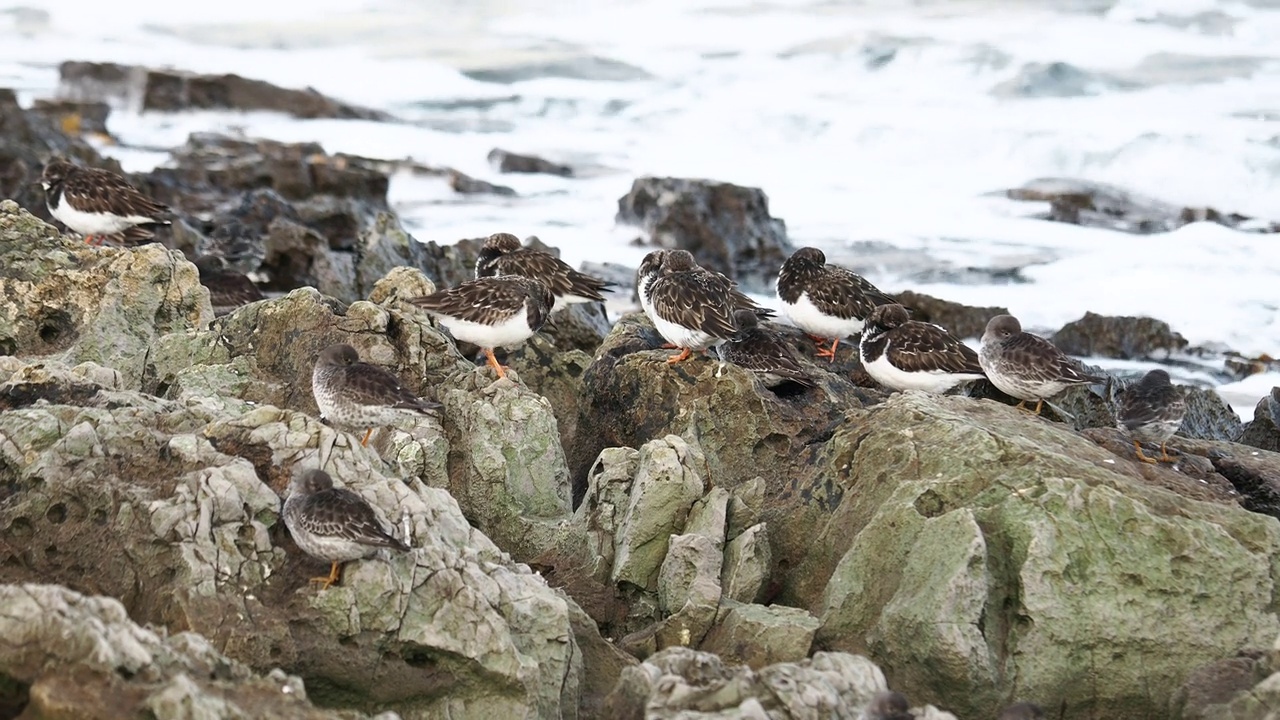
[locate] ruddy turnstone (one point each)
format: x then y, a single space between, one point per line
826 301
1022 711
503 254
492 311
692 308
333 524
759 350
357 394
97 203
227 288
651 268
905 354
888 705
1026 366
1151 411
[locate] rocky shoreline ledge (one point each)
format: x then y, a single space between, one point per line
600 536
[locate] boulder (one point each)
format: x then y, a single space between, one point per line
62 299
727 227
165 90
464 184
70 655
963 321
76 119
509 162
1209 689
1264 430
1126 338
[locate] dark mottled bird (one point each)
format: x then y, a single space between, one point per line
333 524
1022 711
503 254
905 354
1151 411
1026 366
760 350
98 203
357 394
227 288
826 301
692 308
492 311
888 705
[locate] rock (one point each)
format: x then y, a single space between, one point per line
66 300
509 162
1058 79
240 229
756 635
1126 338
666 485
570 65
1209 688
683 683
76 119
1264 430
581 326
1209 417
27 139
1095 204
747 562
988 563
727 227
554 374
467 185
177 91
1253 473
963 321
185 532
81 656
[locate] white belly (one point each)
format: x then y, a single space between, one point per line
683 337
512 331
806 316
645 303
87 223
562 300
936 381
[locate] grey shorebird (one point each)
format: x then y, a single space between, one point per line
358 394
1027 366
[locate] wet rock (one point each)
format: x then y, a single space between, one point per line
1210 688
74 118
467 185
1094 204
67 300
81 656
165 90
1126 338
963 321
1253 473
1058 79
681 683
27 139
509 162
1264 430
173 505
925 568
727 227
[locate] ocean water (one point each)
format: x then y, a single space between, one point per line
882 131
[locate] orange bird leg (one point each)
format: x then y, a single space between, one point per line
493 363
677 358
818 340
325 582
1137 446
365 441
1039 403
668 346
829 352
1164 454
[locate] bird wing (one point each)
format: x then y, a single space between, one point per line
340 513
759 350
1040 360
845 294
694 300
553 272
372 385
489 300
101 191
1138 408
923 347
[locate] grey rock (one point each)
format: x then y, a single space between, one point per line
1264 430
668 482
757 636
1127 338
747 564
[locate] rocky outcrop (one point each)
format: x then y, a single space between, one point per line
1264 430
509 162
1127 338
165 90
682 683
1095 204
963 321
727 227
69 655
62 299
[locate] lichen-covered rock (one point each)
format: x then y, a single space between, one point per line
73 655
72 302
727 227
172 507
747 564
992 564
759 635
686 684
1127 338
666 486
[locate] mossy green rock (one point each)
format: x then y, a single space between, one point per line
985 555
65 300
